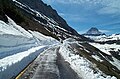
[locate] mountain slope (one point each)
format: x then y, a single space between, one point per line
48 11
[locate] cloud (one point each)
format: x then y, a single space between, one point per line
104 31
75 1
73 17
107 6
82 31
48 1
85 13
113 23
110 7
61 14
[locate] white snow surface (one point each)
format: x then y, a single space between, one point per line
13 28
9 60
42 39
97 58
116 62
18 47
81 65
106 48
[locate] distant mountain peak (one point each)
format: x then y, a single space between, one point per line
94 32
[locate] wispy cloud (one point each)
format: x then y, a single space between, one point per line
73 17
82 31
79 1
104 31
110 7
62 14
74 1
116 23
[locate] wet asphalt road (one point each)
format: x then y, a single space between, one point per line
50 65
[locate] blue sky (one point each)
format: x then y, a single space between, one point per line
84 14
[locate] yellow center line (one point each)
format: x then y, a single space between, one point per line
22 72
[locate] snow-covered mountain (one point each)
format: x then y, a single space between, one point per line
93 32
96 35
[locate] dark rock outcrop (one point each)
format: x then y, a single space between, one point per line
49 12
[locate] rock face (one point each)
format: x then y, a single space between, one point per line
47 10
93 32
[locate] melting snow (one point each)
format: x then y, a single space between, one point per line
19 47
81 65
106 48
103 38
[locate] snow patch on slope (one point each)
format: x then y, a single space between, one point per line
106 48
81 65
103 38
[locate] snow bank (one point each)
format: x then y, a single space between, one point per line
81 65
10 66
42 39
18 28
13 29
19 47
13 38
16 57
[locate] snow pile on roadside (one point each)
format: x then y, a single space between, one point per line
18 47
10 44
81 65
8 61
13 38
42 39
10 66
13 29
